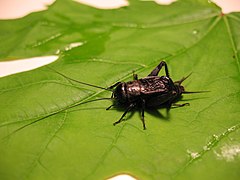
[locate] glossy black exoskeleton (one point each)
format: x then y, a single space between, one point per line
149 92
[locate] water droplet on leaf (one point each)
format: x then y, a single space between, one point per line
195 31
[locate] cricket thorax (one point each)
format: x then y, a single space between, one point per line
128 92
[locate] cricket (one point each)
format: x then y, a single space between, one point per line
149 92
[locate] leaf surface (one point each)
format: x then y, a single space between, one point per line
47 133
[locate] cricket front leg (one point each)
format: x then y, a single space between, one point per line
110 107
113 86
129 108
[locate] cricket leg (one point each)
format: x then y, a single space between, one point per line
113 86
142 114
180 105
158 68
135 76
130 107
109 107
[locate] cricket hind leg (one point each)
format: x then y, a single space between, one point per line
180 105
129 108
174 105
158 68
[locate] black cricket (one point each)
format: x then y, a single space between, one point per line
150 92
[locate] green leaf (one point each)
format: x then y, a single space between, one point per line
46 134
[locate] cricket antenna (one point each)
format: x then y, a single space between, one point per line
80 82
52 114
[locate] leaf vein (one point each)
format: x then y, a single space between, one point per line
38 158
209 146
230 34
107 151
